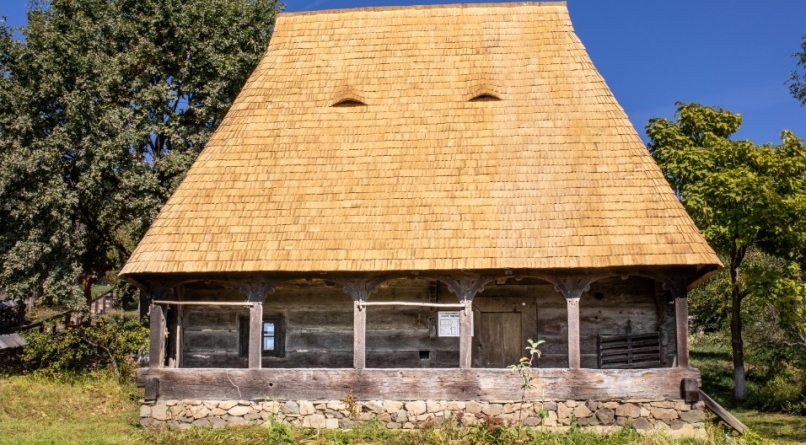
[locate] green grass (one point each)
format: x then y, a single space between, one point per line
91 409
97 290
712 356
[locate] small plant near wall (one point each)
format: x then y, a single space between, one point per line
524 368
352 404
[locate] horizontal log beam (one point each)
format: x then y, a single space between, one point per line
417 384
412 303
203 303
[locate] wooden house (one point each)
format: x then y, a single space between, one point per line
396 202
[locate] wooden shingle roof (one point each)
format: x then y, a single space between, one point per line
408 172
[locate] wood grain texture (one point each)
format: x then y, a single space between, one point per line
465 336
723 414
681 317
359 337
156 350
255 335
417 384
572 305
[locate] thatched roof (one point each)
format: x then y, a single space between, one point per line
545 171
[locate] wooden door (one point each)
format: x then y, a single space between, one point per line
499 339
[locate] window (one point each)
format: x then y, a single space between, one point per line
269 336
272 341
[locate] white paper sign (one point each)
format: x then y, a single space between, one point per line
448 324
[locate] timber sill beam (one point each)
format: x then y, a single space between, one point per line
416 384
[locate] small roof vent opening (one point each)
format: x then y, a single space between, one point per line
348 102
348 96
485 97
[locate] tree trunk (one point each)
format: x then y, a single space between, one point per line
737 345
87 281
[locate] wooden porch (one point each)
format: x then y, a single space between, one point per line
165 356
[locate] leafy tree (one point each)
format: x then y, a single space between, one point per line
797 80
107 342
103 107
742 196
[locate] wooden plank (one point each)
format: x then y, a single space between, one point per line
156 352
572 305
634 351
651 335
412 303
723 414
152 389
624 344
681 319
465 336
499 339
359 336
255 335
211 341
202 303
198 318
417 384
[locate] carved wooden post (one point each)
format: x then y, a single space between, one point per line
677 286
360 290
156 350
572 287
572 308
466 289
256 292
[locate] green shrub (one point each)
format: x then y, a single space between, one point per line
785 391
105 343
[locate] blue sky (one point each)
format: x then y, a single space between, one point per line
732 53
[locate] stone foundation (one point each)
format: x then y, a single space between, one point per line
675 416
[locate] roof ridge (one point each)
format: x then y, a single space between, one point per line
432 6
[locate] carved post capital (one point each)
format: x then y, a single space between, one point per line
160 289
359 289
572 286
256 291
465 288
677 285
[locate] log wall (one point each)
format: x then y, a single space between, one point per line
318 321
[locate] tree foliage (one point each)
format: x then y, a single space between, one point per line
743 197
107 342
797 79
103 107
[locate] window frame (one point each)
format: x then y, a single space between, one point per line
279 336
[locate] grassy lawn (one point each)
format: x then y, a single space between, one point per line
87 411
713 359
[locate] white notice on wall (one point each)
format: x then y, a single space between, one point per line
448 324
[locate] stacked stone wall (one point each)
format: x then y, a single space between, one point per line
675 416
